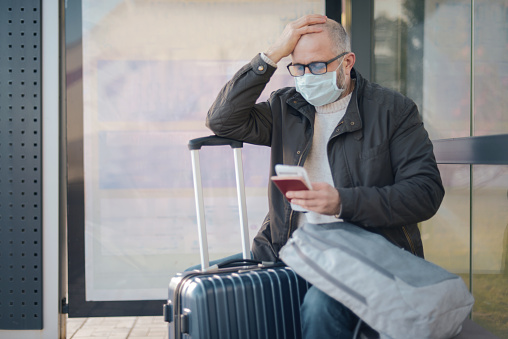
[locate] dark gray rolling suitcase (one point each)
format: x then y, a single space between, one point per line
240 299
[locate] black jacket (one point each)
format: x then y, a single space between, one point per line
381 158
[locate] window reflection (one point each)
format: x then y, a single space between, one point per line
446 236
423 54
490 247
491 67
151 70
423 49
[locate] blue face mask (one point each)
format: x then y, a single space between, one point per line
320 89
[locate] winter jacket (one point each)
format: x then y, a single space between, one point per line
380 155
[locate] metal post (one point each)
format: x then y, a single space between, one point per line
242 203
200 208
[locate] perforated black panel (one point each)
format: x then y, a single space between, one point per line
20 165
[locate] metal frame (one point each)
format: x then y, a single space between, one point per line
481 150
21 166
52 290
473 150
333 10
362 38
78 306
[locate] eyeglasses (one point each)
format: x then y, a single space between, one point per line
317 68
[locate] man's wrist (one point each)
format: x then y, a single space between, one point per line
268 60
340 211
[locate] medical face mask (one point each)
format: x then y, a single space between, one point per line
320 89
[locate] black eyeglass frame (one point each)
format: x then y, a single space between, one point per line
314 63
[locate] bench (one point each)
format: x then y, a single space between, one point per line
471 330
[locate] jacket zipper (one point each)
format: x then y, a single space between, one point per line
413 249
292 212
270 244
290 225
298 164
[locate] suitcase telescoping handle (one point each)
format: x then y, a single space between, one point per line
194 146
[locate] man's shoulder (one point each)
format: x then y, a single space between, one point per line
285 92
373 91
384 96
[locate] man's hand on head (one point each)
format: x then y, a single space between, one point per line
287 41
323 199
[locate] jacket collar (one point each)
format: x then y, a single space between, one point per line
301 105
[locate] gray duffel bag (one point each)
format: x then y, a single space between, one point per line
394 292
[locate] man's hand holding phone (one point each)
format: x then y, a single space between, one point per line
291 178
318 197
322 199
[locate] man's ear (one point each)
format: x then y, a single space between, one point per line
349 62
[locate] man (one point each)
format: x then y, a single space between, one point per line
367 153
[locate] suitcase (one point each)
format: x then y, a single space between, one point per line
236 299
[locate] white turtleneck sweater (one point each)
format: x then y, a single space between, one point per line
317 165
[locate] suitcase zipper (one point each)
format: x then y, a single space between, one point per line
413 249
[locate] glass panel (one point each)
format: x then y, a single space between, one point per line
390 44
491 67
446 236
490 248
151 69
422 49
446 68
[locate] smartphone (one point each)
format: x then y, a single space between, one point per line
291 178
289 170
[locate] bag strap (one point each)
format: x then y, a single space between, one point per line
237 263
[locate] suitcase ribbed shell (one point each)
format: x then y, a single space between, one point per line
258 303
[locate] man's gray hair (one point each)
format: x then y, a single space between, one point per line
338 36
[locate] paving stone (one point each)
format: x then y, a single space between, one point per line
117 328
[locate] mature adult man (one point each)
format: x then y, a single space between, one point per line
364 146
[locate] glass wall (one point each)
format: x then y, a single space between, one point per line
490 247
151 70
451 57
490 67
446 236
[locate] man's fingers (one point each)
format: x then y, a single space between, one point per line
311 19
306 203
306 24
301 195
292 33
309 30
323 199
